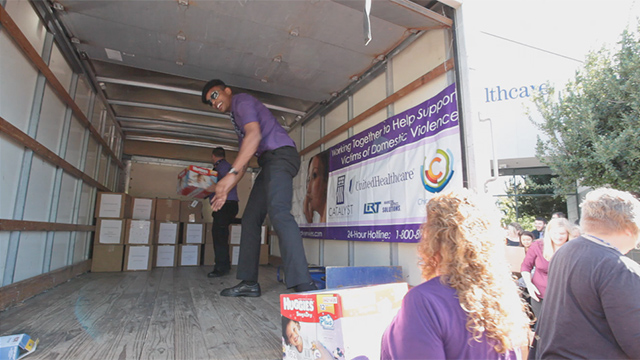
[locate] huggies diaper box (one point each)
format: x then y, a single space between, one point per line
339 324
194 181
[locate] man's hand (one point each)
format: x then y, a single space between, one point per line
222 190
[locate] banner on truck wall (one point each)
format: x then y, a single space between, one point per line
374 186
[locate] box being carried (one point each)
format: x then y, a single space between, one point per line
194 181
338 324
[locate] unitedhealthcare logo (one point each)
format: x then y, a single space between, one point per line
439 171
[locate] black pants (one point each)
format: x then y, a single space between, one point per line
220 232
272 193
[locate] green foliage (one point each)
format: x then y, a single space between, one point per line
535 197
593 128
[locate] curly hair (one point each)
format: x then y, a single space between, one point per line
461 244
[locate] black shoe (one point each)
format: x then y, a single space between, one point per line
217 273
242 289
311 286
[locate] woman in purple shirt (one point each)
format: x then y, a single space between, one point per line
469 307
538 257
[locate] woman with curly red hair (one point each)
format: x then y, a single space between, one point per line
469 307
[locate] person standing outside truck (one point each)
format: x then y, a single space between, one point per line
591 310
223 217
260 134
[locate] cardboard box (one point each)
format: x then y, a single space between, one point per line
191 211
347 321
167 210
143 209
113 205
110 231
165 256
189 255
235 232
166 233
192 233
194 181
138 232
208 234
15 347
137 257
107 258
235 254
209 257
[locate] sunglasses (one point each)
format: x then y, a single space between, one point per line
214 95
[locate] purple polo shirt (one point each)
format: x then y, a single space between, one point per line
432 325
246 109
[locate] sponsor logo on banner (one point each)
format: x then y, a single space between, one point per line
390 206
372 207
340 190
437 171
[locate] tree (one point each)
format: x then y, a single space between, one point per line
532 197
592 127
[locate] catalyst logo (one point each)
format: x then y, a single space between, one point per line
439 171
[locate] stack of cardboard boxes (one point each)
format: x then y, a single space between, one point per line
124 233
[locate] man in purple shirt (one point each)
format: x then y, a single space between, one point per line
260 134
223 217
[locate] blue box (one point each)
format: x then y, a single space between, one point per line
15 347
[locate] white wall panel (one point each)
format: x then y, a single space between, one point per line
312 251
336 118
419 58
336 253
28 22
85 213
40 190
98 109
113 172
370 94
83 95
336 140
60 68
81 247
312 131
408 259
67 195
92 158
372 120
11 156
371 253
51 120
18 84
4 249
74 143
60 251
102 168
295 135
30 255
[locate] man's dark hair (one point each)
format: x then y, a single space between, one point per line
218 152
559 214
540 218
208 86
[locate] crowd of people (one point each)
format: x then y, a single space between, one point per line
584 292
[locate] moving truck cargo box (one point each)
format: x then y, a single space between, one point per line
194 181
167 210
345 323
191 211
138 257
166 256
113 205
110 231
189 255
107 258
209 257
143 209
166 233
139 232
